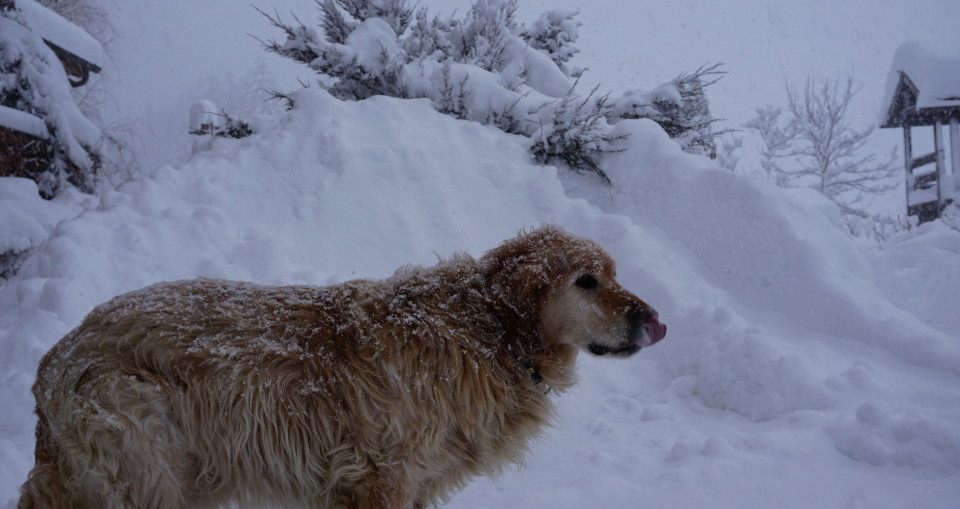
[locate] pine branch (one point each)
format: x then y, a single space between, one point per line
335 26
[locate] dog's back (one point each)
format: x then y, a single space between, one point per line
203 391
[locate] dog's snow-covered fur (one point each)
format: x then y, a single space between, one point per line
366 394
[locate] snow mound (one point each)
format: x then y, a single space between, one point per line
27 218
877 435
920 271
783 356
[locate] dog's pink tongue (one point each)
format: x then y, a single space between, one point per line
655 330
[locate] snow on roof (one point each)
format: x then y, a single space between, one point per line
56 29
936 76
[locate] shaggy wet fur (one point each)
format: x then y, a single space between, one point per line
366 394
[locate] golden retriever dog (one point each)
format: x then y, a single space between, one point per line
392 393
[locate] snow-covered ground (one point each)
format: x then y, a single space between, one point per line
788 378
801 370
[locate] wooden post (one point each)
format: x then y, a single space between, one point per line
955 147
941 166
908 163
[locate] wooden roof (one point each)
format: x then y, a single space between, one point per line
922 88
903 109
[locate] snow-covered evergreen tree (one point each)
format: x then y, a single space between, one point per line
33 82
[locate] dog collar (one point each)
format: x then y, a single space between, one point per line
533 371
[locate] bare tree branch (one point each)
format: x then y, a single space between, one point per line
817 147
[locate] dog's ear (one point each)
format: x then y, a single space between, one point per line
515 280
515 274
525 264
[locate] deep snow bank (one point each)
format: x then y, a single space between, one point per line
28 219
920 271
786 375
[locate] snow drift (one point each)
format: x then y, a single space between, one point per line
788 379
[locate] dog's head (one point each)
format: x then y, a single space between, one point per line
566 287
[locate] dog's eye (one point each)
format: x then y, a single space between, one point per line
587 282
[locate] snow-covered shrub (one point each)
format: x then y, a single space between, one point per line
555 34
205 119
487 68
576 133
208 122
233 128
34 83
429 38
775 142
681 108
362 54
484 37
453 96
730 151
878 228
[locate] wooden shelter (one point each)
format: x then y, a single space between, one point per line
923 90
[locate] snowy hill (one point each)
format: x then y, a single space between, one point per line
788 378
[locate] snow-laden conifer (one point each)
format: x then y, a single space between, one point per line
34 84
